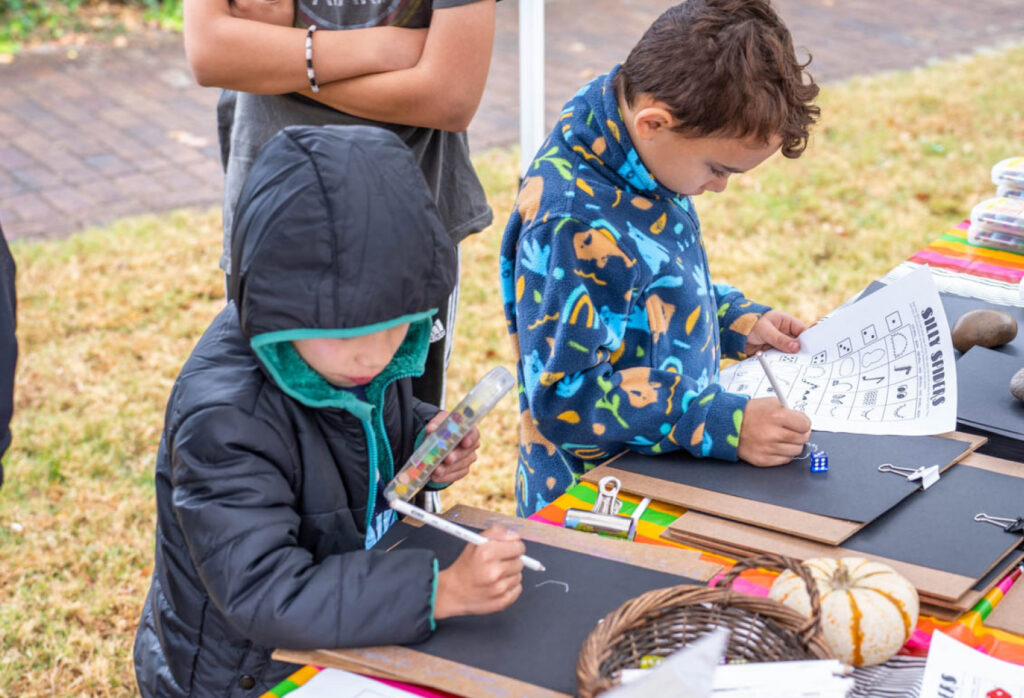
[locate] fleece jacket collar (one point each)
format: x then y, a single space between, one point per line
295 377
592 123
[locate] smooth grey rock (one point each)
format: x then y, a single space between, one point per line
986 327
1017 385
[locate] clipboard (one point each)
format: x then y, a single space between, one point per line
427 665
934 586
950 587
985 405
635 472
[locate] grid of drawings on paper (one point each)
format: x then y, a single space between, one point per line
883 365
878 381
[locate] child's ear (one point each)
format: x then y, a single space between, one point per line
652 120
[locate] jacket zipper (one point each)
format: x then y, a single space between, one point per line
377 412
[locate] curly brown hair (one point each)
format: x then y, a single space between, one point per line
725 68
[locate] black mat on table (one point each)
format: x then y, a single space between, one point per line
936 528
985 405
999 570
538 638
852 489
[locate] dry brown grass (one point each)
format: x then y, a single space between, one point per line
105 321
108 317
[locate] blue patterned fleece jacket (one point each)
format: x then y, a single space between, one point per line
616 325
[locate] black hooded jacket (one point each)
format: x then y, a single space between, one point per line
267 476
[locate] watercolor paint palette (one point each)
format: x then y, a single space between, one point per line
1009 173
999 215
438 444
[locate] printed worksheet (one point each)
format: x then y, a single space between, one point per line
882 365
956 670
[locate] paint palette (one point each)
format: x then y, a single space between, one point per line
1009 173
1003 215
438 444
998 223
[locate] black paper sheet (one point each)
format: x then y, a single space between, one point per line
936 528
985 404
538 638
852 489
999 570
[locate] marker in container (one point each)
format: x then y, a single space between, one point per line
443 440
437 445
406 509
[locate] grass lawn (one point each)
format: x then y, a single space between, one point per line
106 319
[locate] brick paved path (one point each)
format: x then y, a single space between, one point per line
120 131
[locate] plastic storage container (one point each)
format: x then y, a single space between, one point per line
999 241
1008 191
998 223
999 215
1009 172
439 443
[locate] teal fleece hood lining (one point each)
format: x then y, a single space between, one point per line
299 381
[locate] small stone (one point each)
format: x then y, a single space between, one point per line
1017 385
986 327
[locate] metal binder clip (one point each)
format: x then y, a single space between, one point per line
603 517
928 475
1008 525
608 496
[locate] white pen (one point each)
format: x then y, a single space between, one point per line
407 509
782 398
771 379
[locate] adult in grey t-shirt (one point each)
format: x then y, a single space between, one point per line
246 121
442 155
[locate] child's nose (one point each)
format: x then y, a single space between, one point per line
375 356
718 184
370 360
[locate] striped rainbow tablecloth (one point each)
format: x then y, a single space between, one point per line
953 253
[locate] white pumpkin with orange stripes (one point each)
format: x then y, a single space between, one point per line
868 610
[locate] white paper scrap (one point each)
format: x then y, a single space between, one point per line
814 678
817 678
955 670
882 365
688 673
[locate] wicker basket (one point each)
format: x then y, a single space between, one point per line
664 620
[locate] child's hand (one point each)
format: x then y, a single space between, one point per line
456 464
267 11
771 434
484 579
775 329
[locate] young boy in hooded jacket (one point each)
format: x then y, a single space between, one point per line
616 325
292 413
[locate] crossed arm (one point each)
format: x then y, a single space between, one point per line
432 77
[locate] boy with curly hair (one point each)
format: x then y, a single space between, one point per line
617 326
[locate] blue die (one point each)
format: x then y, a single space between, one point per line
819 462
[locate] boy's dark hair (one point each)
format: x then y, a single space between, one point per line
725 67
